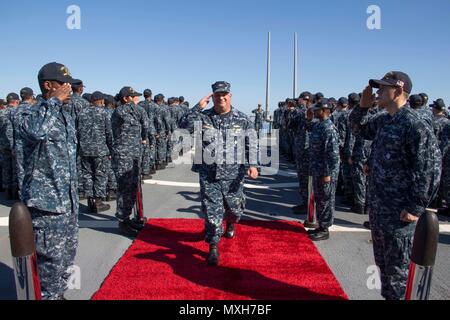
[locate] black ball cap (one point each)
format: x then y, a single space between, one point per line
305 95
354 98
26 92
322 104
97 95
416 100
147 93
438 104
56 72
12 96
319 95
394 79
221 87
342 101
87 96
78 84
129 92
159 96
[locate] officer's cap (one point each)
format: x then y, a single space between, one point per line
56 72
221 87
394 79
129 92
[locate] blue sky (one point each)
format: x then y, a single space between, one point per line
182 47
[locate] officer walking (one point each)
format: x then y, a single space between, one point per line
47 133
130 131
324 149
259 119
404 173
222 183
95 141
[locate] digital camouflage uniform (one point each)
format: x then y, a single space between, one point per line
112 181
95 145
50 190
76 105
404 175
171 127
130 127
324 149
222 184
298 125
148 150
9 172
16 118
162 131
359 155
259 119
346 141
445 148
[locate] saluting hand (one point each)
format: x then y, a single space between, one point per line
62 93
204 102
367 99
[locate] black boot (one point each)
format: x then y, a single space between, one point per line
367 225
321 234
111 196
96 206
152 171
169 160
312 231
137 224
229 234
213 258
82 196
126 230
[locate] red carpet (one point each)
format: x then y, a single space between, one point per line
265 261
